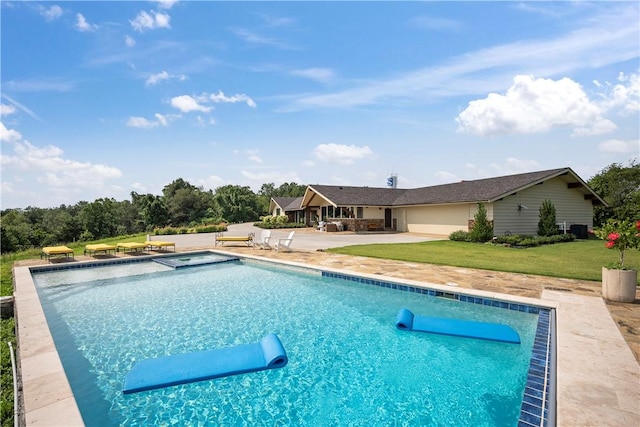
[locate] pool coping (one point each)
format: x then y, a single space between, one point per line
47 395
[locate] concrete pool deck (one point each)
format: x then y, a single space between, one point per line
598 374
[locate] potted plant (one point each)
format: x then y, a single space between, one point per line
619 281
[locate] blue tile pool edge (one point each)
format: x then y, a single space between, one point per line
539 401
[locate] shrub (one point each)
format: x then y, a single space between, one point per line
482 230
523 240
459 236
547 225
211 228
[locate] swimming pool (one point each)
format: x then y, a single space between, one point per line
348 365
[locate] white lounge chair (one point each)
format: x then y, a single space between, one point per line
285 243
263 242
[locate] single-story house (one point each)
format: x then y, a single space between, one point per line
513 204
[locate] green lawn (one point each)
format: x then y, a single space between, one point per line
581 259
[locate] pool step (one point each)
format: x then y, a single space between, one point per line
188 262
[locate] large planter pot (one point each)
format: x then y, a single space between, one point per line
619 285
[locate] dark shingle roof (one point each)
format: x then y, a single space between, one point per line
357 196
480 190
288 203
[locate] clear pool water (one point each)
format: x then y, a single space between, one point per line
348 364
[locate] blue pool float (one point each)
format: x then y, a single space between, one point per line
205 365
406 321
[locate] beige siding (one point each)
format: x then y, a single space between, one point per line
441 219
570 207
373 212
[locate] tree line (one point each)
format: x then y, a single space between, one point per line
185 205
180 205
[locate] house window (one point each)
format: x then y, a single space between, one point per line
330 212
360 212
277 211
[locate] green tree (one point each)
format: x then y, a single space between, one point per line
267 191
16 231
547 225
99 218
619 186
482 230
151 210
290 190
187 206
236 204
170 190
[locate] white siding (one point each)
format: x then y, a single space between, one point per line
569 203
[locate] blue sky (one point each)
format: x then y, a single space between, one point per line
100 99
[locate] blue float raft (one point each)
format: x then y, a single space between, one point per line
406 321
205 365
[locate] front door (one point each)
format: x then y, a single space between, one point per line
387 218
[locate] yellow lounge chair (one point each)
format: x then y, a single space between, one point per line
99 247
49 251
160 245
220 238
131 246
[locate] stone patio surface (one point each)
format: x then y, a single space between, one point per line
598 342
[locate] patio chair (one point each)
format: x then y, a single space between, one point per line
263 241
285 243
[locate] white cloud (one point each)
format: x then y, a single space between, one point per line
166 4
83 25
21 107
129 41
6 110
535 105
220 97
155 79
150 21
53 169
52 13
186 103
253 156
322 75
139 188
624 96
620 146
161 120
9 135
341 154
140 122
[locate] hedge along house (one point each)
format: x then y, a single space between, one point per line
512 202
